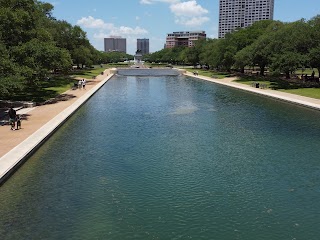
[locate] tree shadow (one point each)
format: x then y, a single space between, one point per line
59 98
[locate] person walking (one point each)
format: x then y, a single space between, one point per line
83 83
12 118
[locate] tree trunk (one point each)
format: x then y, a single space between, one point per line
287 75
262 68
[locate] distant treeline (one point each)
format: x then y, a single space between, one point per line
34 44
280 47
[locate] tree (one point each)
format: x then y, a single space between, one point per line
287 62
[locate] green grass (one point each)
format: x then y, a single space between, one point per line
209 73
283 85
88 73
306 92
306 71
44 90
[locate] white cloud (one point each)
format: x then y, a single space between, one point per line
187 13
91 22
191 22
190 8
127 31
145 2
155 1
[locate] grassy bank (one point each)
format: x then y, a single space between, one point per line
209 73
56 85
303 89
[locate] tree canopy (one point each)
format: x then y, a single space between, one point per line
33 44
280 47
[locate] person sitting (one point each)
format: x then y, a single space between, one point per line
12 117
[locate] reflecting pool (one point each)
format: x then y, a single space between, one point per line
171 158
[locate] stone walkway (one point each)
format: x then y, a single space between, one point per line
34 118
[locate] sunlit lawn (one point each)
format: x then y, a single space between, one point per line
208 73
284 86
88 73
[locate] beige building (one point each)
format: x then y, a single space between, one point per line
235 14
186 39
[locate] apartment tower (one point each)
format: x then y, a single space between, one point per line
115 44
143 46
235 14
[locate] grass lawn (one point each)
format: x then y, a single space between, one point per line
209 73
44 90
58 84
88 73
284 86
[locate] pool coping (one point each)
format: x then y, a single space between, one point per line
12 160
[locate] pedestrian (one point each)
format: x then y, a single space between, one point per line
12 117
18 120
80 84
83 83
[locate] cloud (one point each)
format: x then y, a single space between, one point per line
190 8
191 22
187 13
91 22
126 31
155 1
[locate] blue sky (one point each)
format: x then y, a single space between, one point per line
153 19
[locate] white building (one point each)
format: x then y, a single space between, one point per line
235 14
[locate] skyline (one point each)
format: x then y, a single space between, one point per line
154 19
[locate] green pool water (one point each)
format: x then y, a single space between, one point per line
171 158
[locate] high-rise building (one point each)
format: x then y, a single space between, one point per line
235 14
143 46
115 44
186 39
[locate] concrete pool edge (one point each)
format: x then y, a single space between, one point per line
311 103
12 160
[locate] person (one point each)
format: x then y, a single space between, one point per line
312 75
83 83
12 117
79 84
18 120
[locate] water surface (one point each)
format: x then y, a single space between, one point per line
171 158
